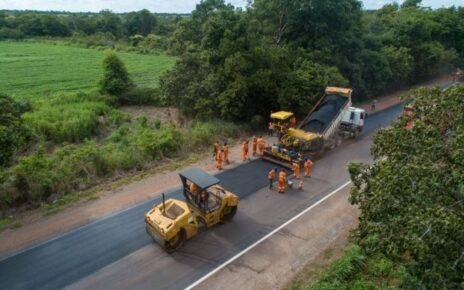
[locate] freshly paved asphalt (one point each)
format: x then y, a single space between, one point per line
76 255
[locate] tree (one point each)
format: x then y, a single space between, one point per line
115 79
306 84
411 4
412 197
13 133
400 62
110 22
141 22
52 26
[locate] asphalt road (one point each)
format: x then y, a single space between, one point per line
115 252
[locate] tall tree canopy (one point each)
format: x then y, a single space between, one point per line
412 198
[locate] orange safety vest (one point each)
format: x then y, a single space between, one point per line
219 156
193 189
308 164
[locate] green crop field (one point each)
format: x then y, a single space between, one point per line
33 68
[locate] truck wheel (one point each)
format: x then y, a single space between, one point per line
176 242
229 213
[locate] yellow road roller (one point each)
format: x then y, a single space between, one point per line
206 204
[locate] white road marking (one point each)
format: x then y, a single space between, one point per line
198 282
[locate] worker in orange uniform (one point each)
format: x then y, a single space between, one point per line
219 158
270 128
261 145
296 170
244 150
293 122
254 145
282 181
194 190
225 148
215 149
307 166
204 199
271 175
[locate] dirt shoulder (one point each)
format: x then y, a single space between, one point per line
37 227
310 240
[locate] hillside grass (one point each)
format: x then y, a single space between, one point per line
38 68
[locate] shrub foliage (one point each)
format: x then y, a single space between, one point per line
412 198
115 79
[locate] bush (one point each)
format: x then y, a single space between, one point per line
257 122
142 96
157 144
33 177
13 134
207 132
70 118
348 265
115 80
380 266
9 33
363 285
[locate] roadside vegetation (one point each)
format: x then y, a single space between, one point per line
411 229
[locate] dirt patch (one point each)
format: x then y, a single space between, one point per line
313 271
163 114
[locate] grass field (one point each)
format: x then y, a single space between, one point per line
33 68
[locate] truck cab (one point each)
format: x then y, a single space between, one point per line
353 120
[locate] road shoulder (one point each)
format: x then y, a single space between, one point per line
273 263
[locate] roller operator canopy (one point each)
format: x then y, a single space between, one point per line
199 177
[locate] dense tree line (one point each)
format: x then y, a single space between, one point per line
17 25
279 54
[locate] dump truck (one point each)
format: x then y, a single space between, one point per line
330 121
206 204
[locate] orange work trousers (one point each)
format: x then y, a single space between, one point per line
282 185
307 171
